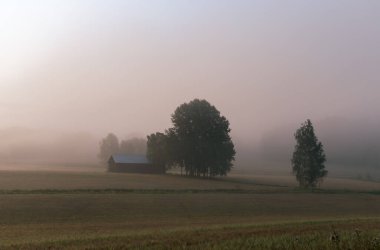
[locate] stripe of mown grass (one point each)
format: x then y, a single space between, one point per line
182 191
355 234
131 191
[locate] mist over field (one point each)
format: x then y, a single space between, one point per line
352 146
21 145
72 71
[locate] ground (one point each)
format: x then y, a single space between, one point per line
82 209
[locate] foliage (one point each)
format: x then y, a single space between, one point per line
133 146
204 139
108 147
157 149
308 157
199 141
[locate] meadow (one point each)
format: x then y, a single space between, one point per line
77 210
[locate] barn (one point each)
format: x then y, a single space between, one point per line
132 164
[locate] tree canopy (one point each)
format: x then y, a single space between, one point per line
199 141
108 146
308 159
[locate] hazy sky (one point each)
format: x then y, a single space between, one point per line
124 66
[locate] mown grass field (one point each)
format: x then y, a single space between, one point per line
79 210
31 180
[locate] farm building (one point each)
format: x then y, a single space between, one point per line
132 164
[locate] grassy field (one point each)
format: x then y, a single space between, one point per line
64 209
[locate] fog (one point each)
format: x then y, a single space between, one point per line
352 146
73 71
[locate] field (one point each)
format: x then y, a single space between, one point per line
76 210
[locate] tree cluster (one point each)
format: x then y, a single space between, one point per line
110 145
199 141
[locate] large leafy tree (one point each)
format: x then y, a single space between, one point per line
199 141
308 158
108 146
204 146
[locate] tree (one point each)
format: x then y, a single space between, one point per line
108 146
203 144
157 149
199 141
308 157
133 146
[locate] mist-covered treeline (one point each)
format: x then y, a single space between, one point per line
111 145
31 146
23 145
348 143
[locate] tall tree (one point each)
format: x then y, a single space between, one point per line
108 146
204 146
308 159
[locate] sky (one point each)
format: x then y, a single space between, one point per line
124 66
